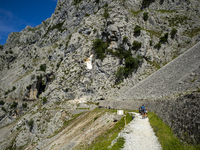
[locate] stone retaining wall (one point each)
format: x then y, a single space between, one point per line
181 114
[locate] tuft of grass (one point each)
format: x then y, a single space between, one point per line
135 13
193 32
154 64
154 33
178 19
167 140
119 144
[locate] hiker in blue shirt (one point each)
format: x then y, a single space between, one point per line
143 111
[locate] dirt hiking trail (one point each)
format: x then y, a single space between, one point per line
139 135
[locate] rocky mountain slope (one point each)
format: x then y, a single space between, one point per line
89 50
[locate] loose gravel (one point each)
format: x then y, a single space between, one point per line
139 135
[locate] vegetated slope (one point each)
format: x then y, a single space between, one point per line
179 76
80 131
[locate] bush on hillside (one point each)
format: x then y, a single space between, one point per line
145 16
2 102
173 32
14 105
99 47
146 3
158 45
44 100
137 30
164 38
43 67
136 45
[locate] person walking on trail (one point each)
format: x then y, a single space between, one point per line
140 110
143 111
146 111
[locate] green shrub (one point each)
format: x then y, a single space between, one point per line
14 105
137 30
106 14
95 118
58 64
44 100
136 45
30 124
95 30
2 102
4 109
125 39
10 51
145 16
164 38
14 88
99 47
158 45
43 67
7 92
76 2
87 15
106 5
120 74
173 32
97 1
24 105
146 3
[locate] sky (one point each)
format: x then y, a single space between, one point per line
15 15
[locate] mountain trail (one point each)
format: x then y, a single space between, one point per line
139 135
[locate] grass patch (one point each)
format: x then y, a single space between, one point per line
135 13
165 11
153 63
154 33
119 144
104 141
167 140
178 19
193 32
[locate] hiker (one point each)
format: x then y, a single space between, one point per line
146 111
140 110
143 111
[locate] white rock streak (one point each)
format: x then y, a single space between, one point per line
89 62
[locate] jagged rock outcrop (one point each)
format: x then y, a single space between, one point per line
55 62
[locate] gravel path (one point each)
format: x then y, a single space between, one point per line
139 135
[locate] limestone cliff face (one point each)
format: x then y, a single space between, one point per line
64 41
56 60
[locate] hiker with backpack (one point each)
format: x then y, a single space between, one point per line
143 111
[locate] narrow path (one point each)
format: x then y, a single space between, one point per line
139 135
